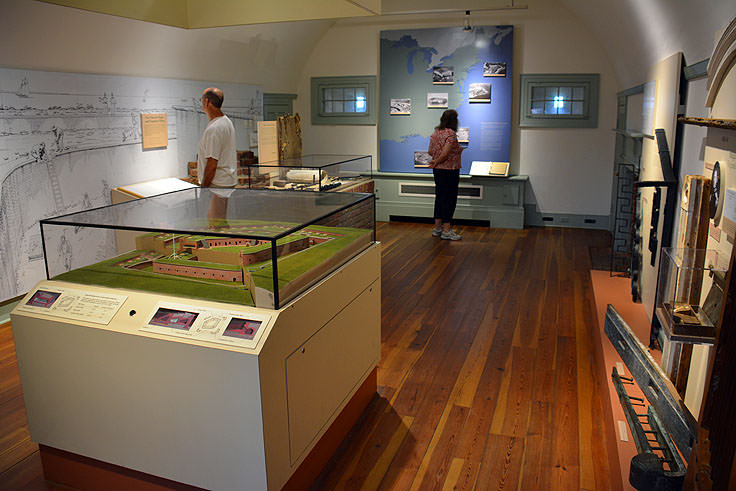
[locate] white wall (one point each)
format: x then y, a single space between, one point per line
570 170
638 34
42 36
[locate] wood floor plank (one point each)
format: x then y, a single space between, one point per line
453 475
439 455
518 399
501 463
565 452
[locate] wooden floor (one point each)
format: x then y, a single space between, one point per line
488 377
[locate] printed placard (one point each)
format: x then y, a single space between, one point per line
154 130
73 304
233 328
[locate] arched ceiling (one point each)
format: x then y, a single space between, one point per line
635 33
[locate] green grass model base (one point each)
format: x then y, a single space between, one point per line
226 269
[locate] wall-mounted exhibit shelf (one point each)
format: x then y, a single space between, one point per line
633 134
729 124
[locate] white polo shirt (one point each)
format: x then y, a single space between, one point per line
218 142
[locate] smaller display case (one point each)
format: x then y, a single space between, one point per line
316 172
686 311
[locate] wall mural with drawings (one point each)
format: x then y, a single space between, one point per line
67 139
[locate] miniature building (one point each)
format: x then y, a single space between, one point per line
194 271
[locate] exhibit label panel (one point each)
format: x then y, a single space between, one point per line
474 69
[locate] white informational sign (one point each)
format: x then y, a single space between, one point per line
72 304
729 212
268 142
493 169
204 324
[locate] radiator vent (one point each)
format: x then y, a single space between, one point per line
465 191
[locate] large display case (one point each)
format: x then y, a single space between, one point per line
248 247
316 172
685 313
143 354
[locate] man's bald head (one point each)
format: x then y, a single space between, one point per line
214 96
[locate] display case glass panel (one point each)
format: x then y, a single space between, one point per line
310 172
243 246
686 309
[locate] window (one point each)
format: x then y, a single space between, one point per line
344 100
559 100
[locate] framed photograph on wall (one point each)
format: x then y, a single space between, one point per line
443 75
479 92
494 69
400 106
437 100
463 135
421 159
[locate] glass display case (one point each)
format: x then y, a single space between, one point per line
687 311
242 246
310 172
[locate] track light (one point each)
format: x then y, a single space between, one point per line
466 23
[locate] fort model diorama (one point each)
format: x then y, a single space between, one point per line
228 269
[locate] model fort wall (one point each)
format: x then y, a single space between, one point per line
194 271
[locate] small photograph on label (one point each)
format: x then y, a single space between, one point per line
242 328
44 299
174 319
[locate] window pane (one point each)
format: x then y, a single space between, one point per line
360 104
349 107
577 108
537 93
337 106
563 107
538 107
578 93
360 93
336 94
549 107
327 107
550 93
348 94
565 92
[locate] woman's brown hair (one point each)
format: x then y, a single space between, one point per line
448 120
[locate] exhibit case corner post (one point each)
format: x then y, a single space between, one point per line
216 295
313 172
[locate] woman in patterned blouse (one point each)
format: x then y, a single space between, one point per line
445 164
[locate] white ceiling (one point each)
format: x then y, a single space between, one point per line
636 34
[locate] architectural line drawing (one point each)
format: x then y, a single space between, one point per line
67 139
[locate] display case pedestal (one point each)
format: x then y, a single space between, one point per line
80 472
193 411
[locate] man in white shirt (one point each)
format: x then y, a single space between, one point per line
216 158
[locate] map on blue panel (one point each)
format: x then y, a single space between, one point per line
422 65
